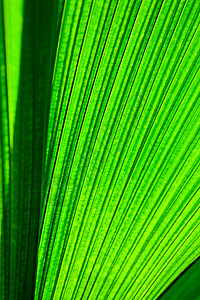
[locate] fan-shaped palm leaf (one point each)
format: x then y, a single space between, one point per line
99 123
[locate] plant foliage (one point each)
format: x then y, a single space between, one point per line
99 149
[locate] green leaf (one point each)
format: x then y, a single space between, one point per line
186 284
5 189
100 162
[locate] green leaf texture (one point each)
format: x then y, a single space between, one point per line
186 286
99 149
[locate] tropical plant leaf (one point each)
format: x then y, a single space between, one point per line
100 145
186 286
